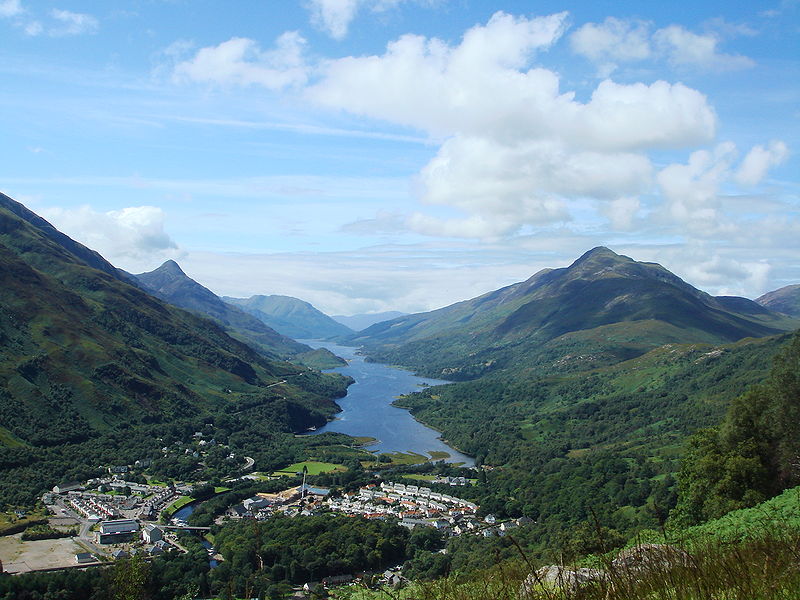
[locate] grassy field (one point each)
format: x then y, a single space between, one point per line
314 468
178 504
398 459
421 477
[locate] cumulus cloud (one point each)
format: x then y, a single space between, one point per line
627 40
517 150
692 191
241 61
614 40
725 275
128 237
759 160
429 85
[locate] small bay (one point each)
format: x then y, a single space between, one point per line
367 409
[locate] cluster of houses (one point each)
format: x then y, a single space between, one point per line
411 504
153 505
451 480
145 501
301 500
121 531
92 507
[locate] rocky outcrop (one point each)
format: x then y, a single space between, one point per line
630 565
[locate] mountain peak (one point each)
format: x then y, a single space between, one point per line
598 252
171 267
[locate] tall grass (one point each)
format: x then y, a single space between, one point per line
764 568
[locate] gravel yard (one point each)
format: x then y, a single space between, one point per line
23 557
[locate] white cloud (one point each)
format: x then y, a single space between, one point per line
129 238
614 40
426 84
759 160
240 61
33 28
682 47
72 23
692 191
518 149
727 276
622 212
640 116
504 187
10 8
333 16
627 40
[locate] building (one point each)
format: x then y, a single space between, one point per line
67 486
115 532
83 558
337 580
151 533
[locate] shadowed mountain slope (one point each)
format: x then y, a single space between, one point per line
784 300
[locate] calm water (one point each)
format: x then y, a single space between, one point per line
367 409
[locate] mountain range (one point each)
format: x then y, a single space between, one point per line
84 350
362 321
290 316
600 310
170 283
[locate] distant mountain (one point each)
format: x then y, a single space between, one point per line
785 300
84 354
360 322
292 317
601 309
170 283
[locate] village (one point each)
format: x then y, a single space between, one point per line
112 518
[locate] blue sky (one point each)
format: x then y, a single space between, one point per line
369 155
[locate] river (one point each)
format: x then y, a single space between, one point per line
367 409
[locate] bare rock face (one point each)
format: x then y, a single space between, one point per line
647 557
561 578
630 565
